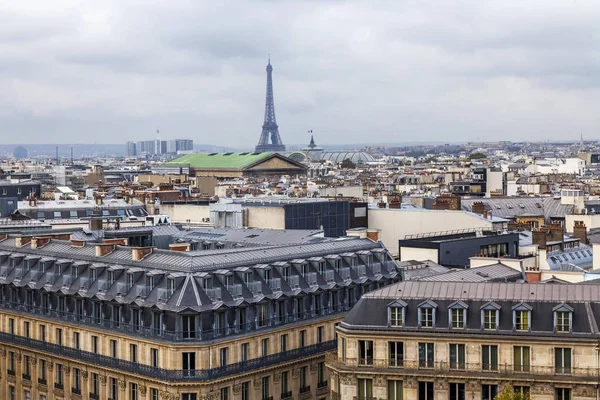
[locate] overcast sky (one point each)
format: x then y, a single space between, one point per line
368 71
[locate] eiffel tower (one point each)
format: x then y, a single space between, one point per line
270 130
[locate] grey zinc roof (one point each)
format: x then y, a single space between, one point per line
509 207
488 291
497 272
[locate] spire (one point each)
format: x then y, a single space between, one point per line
312 144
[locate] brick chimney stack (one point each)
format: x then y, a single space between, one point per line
538 236
556 233
479 208
580 232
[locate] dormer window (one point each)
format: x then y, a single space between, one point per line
228 280
353 262
563 318
490 316
304 269
207 283
427 314
129 280
111 277
248 278
396 313
321 267
59 269
170 286
522 317
285 272
75 271
93 274
150 282
457 314
268 274
337 264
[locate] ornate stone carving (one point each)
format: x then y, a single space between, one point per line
33 361
84 375
142 390
295 373
42 388
584 391
277 377
348 379
67 370
50 365
441 384
380 381
102 380
59 392
3 352
11 378
18 357
257 383
75 396
122 384
473 386
237 388
542 389
313 368
26 383
410 382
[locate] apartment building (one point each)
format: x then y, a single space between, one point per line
103 321
459 341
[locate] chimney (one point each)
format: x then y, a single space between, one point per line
104 249
381 204
396 202
38 243
533 275
32 201
179 247
116 241
23 241
538 236
373 234
441 204
139 253
98 199
512 226
557 233
77 243
580 232
478 207
3 236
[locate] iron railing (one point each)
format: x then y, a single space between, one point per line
430 367
174 336
168 375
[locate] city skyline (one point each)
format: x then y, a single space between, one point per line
472 71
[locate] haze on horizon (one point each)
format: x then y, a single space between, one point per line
352 71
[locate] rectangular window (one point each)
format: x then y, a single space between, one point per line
244 350
225 393
426 315
11 326
562 360
365 389
320 333
523 390
285 385
394 390
189 326
283 343
425 391
489 358
133 353
522 320
265 347
265 388
396 316
563 323
457 391
303 383
76 340
562 394
426 355
188 363
95 387
521 358
133 391
489 392
490 320
95 344
245 390
58 382
11 363
153 394
302 338
396 354
365 352
223 356
344 350
42 377
457 356
154 357
26 329
114 389
113 349
458 318
59 336
321 374
77 380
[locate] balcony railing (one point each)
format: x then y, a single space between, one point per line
59 386
433 368
321 384
10 372
26 377
42 381
286 395
169 375
76 390
305 389
173 336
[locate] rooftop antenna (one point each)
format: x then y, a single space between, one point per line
57 162
71 155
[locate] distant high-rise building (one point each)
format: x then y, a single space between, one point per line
173 146
270 130
20 152
131 149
